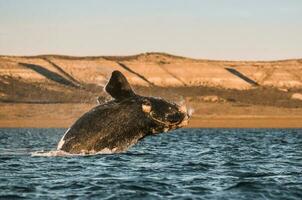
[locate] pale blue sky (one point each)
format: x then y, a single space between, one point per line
214 29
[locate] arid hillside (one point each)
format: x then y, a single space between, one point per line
155 69
241 88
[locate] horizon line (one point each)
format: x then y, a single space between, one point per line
149 53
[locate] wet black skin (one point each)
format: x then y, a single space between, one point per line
120 123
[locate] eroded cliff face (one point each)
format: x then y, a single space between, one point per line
73 79
53 91
158 69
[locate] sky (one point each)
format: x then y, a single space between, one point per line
208 29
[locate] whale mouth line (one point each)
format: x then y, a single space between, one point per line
168 124
162 122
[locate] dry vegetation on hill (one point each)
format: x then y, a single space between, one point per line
257 88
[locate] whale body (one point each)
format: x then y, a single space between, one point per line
116 125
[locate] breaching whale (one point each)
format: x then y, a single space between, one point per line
116 125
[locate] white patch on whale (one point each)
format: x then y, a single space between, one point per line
62 141
146 108
183 108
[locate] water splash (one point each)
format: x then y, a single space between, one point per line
190 111
60 153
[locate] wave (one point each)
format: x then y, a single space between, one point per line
246 185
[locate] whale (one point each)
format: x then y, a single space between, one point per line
118 124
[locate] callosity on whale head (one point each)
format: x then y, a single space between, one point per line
164 115
118 124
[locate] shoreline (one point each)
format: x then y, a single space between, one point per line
54 91
205 116
195 122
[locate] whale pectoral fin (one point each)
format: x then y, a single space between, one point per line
118 86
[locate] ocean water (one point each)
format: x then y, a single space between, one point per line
183 164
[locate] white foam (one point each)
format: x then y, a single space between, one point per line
53 153
60 153
190 111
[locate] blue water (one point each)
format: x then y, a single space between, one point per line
184 164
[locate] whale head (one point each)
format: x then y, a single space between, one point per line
160 115
165 115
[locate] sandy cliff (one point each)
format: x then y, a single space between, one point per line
239 88
158 69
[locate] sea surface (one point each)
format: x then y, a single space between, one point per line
183 164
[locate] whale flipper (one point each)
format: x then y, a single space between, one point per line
118 87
